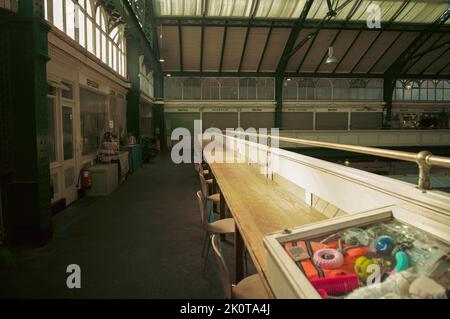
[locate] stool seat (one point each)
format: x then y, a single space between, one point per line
250 287
222 226
205 172
209 181
215 198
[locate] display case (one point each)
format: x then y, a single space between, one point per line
394 252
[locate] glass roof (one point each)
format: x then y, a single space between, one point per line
419 11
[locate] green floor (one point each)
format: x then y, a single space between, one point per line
143 241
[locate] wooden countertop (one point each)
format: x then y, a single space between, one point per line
259 207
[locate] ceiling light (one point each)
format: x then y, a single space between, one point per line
331 59
288 79
408 86
168 75
162 60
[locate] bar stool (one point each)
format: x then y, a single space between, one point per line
215 198
200 169
250 287
222 226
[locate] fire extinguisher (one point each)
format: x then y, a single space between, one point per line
86 182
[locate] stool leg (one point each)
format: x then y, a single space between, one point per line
205 243
246 262
206 257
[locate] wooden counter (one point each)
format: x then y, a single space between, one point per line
259 207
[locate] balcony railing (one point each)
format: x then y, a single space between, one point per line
424 159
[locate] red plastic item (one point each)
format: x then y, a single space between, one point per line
336 285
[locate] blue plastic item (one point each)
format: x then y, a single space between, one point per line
401 261
385 245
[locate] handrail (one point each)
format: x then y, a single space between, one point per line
424 159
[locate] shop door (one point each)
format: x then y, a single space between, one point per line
70 175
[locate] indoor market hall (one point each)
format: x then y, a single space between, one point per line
198 151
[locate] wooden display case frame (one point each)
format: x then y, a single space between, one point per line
286 279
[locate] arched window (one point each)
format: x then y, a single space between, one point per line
306 89
431 90
358 89
229 89
265 89
374 89
173 88
447 90
98 32
210 89
290 90
87 22
247 89
192 89
341 89
324 89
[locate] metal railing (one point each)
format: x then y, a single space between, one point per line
424 159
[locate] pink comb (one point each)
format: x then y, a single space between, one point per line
336 285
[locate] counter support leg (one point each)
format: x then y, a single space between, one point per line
239 254
222 212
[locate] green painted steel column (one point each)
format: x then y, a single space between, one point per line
134 94
28 213
388 91
158 115
278 100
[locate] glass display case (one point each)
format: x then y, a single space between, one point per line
387 253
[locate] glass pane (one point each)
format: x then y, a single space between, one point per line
67 123
93 119
58 14
70 19
51 130
98 47
81 29
90 35
104 48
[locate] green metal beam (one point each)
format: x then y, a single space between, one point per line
266 44
255 9
284 60
399 64
205 4
202 39
125 10
220 74
349 16
442 70
224 40
244 49
420 55
434 60
180 42
307 51
151 14
291 23
393 18
290 43
385 52
347 51
366 51
433 47
300 75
